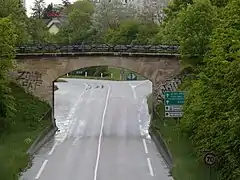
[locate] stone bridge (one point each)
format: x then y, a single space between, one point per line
36 72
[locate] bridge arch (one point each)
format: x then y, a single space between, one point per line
36 74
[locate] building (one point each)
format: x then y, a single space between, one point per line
54 24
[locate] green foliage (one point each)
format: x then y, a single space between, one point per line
167 33
226 37
211 116
94 70
194 26
109 15
146 33
219 3
125 34
132 32
190 26
29 109
174 7
211 112
15 10
38 31
7 42
26 128
77 29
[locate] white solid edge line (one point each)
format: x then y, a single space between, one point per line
145 146
100 136
53 148
150 167
41 169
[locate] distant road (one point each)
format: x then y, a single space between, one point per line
103 134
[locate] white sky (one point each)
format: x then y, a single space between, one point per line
29 4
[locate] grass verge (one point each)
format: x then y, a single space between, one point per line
28 125
185 163
117 71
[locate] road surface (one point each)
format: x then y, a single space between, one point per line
103 134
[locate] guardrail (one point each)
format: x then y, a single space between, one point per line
78 48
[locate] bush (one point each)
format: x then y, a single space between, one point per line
211 111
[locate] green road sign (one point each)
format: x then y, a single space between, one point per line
174 98
131 76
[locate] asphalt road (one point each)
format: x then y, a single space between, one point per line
103 135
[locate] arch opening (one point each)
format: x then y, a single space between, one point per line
103 73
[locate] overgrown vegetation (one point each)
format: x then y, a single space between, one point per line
20 113
211 112
212 116
28 124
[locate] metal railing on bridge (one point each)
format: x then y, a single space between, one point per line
85 48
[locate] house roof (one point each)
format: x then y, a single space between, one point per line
57 24
58 21
61 19
46 21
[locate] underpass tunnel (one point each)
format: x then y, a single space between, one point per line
92 73
99 120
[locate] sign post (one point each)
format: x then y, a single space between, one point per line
173 102
121 73
210 160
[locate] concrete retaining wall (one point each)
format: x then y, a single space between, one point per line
161 146
44 136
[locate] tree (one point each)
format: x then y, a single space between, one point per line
39 31
152 10
8 40
65 3
211 109
219 3
193 26
110 14
49 9
125 34
38 9
146 33
79 21
225 41
174 7
18 18
132 32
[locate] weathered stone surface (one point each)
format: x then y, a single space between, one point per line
36 75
